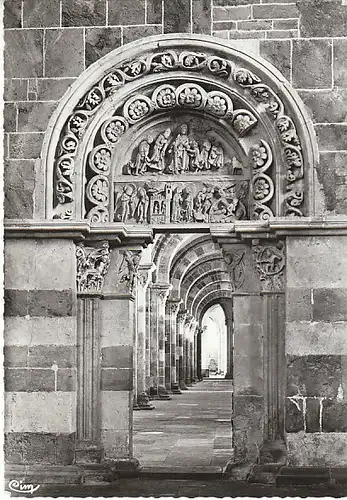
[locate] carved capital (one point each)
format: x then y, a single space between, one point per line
92 265
270 263
129 267
234 260
173 306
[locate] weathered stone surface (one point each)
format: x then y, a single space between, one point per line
328 17
248 310
48 355
34 116
303 338
247 422
24 331
330 304
334 416
10 117
52 89
233 2
275 11
39 13
248 374
64 52
115 443
201 16
312 64
12 14
66 379
23 53
294 418
298 304
278 54
313 375
317 449
117 356
83 12
232 13
28 380
25 146
132 33
115 410
15 356
154 11
285 24
100 41
340 68
51 303
16 302
246 34
282 34
177 16
313 415
332 137
254 25
61 417
15 89
116 379
122 12
326 105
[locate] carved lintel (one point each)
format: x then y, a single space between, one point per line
129 267
270 263
92 266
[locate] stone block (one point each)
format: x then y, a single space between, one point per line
55 264
65 449
15 356
15 89
313 375
41 14
248 375
117 357
122 12
34 116
13 448
48 355
278 54
66 379
330 304
224 25
254 25
132 33
326 105
38 448
312 63
28 380
298 304
294 416
25 146
116 444
23 53
24 331
115 410
61 417
64 52
332 137
280 11
276 34
252 47
248 310
231 3
317 449
12 13
19 262
285 24
16 302
100 41
340 67
201 16
118 379
177 16
116 322
10 117
83 12
232 13
52 89
154 11
313 415
303 338
51 303
334 415
328 17
317 269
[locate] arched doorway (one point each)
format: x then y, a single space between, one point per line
214 343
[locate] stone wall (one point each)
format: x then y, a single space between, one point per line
316 351
49 44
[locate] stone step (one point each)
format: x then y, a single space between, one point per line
303 476
178 472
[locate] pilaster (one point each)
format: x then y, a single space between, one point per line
172 307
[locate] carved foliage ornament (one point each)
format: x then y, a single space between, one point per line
262 184
92 265
163 62
270 263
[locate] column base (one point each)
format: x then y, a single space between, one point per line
142 402
183 386
189 382
159 393
175 388
87 452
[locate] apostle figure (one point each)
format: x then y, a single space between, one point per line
181 150
176 205
216 157
159 150
126 201
142 207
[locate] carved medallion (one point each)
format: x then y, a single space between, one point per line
270 263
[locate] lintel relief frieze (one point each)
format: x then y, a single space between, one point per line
175 151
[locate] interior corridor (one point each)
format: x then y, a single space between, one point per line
192 430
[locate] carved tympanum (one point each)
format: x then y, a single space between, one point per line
270 264
92 265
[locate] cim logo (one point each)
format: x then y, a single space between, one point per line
21 487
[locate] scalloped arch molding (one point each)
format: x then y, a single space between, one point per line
245 97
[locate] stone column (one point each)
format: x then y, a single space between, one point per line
187 351
180 349
92 265
159 294
141 398
172 307
148 382
198 353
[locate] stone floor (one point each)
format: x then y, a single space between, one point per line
192 430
